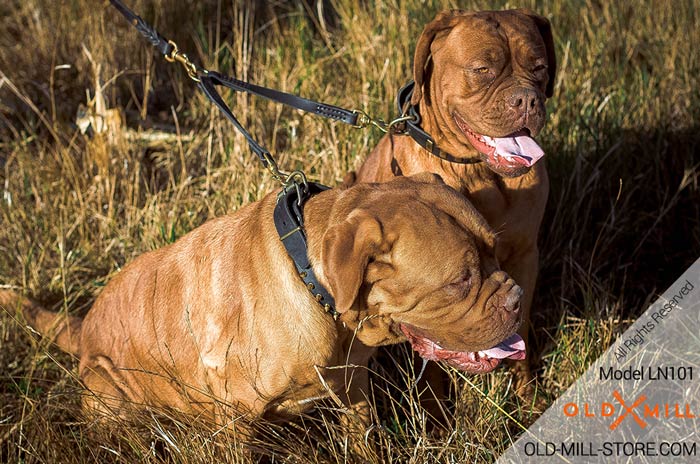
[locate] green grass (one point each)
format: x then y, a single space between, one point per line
623 219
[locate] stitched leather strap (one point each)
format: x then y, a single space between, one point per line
421 137
295 101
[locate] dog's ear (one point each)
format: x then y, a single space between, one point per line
545 29
443 21
347 249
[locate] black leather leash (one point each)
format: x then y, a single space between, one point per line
406 124
288 215
412 128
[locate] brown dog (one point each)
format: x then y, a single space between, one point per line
221 325
481 79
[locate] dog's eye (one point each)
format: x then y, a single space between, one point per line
539 68
461 284
481 70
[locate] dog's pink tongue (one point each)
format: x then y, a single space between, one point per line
521 146
512 347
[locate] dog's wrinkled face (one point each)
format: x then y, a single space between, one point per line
487 75
418 264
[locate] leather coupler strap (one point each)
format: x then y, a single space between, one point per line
304 104
206 84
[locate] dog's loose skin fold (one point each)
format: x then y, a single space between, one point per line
219 324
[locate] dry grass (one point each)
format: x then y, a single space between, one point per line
623 219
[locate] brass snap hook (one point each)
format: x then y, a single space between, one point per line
189 66
364 120
396 126
273 169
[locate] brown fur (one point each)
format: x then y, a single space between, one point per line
511 44
221 313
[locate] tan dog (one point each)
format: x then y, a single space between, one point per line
222 315
481 79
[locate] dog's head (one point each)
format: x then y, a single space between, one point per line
411 259
486 75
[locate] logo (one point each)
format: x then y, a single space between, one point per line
638 410
629 411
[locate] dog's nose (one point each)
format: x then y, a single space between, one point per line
524 99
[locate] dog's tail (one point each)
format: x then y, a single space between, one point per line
65 330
